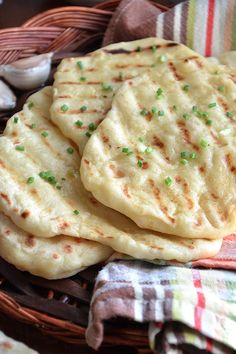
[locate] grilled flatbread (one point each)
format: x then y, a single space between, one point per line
84 87
56 203
165 155
54 258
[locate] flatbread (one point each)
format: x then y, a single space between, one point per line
11 346
170 181
40 208
84 86
53 258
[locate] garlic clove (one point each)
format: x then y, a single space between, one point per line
28 73
7 97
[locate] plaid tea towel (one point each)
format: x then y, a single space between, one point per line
203 301
207 26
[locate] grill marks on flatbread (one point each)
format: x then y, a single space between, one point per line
83 85
41 209
188 207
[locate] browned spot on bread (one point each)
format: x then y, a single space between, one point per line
116 172
202 169
216 140
14 134
157 247
157 194
30 241
199 221
145 165
93 200
177 76
229 162
126 191
5 197
185 186
6 345
65 96
214 196
186 135
64 225
15 210
78 240
78 111
99 232
67 248
25 214
105 139
233 78
169 45
189 202
157 142
149 116
223 104
87 162
223 214
117 51
2 164
130 83
7 232
34 192
196 59
55 256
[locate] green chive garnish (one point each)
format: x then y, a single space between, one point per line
80 65
221 88
92 127
159 93
70 150
48 177
121 76
184 155
58 187
174 107
64 108
83 108
203 143
148 150
154 110
88 134
141 139
204 114
162 58
194 108
44 134
161 113
186 116
184 162
82 78
79 123
127 151
140 163
193 155
211 105
186 88
33 126
144 112
229 114
168 181
30 105
138 49
15 120
76 212
106 87
30 180
20 148
209 122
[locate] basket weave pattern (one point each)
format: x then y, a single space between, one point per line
59 308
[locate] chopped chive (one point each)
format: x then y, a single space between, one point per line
121 76
205 115
138 49
148 150
88 134
106 87
48 177
154 48
184 162
20 148
159 93
33 126
153 65
70 150
174 107
79 123
161 113
211 105
30 105
221 88
30 180
82 78
92 127
83 108
58 187
193 155
140 163
168 181
127 151
229 114
184 155
185 88
64 108
204 143
44 134
63 179
144 112
154 110
186 116
209 122
80 64
141 139
15 120
162 58
194 108
76 212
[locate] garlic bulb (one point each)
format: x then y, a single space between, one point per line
28 73
7 97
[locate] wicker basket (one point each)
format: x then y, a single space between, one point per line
59 308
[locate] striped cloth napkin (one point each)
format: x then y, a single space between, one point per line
191 307
207 26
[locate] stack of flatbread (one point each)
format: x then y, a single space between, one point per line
132 150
